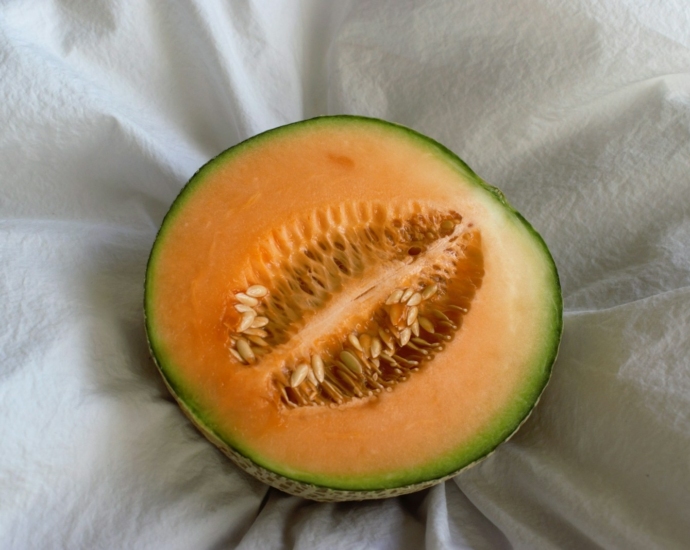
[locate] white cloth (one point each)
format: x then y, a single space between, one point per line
578 110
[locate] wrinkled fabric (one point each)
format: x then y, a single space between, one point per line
579 111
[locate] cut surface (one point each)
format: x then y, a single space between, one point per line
344 303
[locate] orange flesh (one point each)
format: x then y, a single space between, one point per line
460 394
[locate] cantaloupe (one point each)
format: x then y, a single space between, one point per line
348 312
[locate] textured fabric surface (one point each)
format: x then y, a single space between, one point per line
578 110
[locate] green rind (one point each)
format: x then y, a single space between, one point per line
346 488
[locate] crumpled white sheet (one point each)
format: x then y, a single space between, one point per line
579 110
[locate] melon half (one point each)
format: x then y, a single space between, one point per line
348 312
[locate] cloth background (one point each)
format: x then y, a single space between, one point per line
578 110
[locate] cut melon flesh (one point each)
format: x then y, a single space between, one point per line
265 200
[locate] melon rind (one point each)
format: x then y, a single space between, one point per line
311 491
325 490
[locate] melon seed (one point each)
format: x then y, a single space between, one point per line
426 324
415 299
412 315
332 392
312 378
429 291
352 338
246 300
236 355
395 313
317 365
414 327
405 361
286 398
406 295
387 338
395 297
346 375
336 382
257 291
259 322
388 359
256 332
299 374
245 350
375 347
395 333
257 340
440 314
247 321
365 341
351 362
421 342
420 350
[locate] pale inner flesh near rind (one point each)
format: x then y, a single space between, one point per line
463 403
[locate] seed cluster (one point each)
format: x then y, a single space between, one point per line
248 340
305 264
409 329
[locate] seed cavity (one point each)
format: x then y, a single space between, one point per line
300 268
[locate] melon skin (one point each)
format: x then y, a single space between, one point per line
317 487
